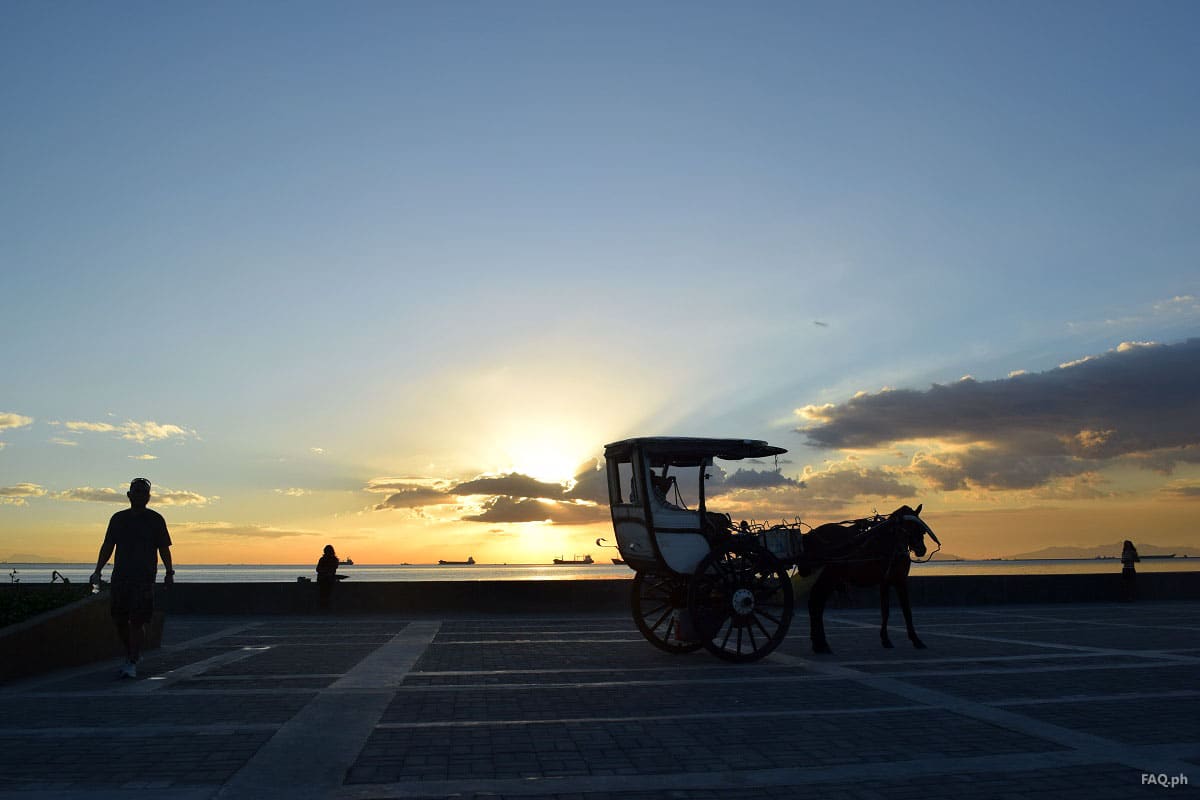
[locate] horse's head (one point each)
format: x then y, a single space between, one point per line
909 520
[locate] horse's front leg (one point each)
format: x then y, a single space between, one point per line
883 614
902 592
816 611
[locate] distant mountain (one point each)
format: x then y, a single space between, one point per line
32 558
1113 550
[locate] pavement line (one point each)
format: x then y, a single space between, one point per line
1102 749
1092 698
311 752
154 683
816 712
456 687
140 731
1074 623
1101 651
869 774
199 641
576 640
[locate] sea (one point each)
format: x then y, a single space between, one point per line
288 573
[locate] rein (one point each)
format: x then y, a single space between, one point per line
860 540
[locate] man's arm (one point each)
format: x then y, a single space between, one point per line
106 551
164 553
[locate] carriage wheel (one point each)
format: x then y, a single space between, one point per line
658 602
740 600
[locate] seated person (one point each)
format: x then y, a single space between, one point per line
662 490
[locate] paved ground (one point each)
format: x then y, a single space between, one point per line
1064 701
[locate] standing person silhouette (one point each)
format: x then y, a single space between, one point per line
139 536
327 575
1129 556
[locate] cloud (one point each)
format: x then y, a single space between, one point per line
140 432
410 492
3 445
1186 489
239 530
756 479
160 497
1026 429
318 450
513 484
843 484
15 495
995 467
293 492
509 509
64 442
144 457
591 483
9 420
415 497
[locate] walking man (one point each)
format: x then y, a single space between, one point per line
139 537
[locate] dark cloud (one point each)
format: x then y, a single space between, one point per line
509 509
414 497
1134 400
591 484
998 468
843 485
513 484
757 479
1185 490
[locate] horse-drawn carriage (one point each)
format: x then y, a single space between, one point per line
703 581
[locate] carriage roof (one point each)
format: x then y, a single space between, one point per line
691 450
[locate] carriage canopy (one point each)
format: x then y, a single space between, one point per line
690 451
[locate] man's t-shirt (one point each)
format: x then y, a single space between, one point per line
137 534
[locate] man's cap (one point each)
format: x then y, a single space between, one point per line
139 485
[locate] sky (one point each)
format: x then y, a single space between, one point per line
389 275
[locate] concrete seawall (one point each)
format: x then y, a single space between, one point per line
564 596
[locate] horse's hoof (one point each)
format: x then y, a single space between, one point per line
917 643
888 644
821 648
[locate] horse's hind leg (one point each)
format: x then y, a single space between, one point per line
902 592
816 610
883 615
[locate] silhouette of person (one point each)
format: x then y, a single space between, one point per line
662 490
139 536
327 575
1129 556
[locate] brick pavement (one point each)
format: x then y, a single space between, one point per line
1063 701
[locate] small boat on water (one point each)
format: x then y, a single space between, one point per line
349 562
587 559
470 560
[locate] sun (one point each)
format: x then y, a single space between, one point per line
545 464
553 456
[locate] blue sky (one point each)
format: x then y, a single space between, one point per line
437 241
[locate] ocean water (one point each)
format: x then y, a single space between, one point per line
287 573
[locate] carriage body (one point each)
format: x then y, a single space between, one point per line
669 532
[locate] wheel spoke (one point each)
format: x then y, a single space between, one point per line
727 633
753 644
761 628
776 620
665 614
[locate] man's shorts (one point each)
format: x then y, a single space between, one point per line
132 600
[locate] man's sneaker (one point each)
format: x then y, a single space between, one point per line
129 670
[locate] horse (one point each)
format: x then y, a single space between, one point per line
864 552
